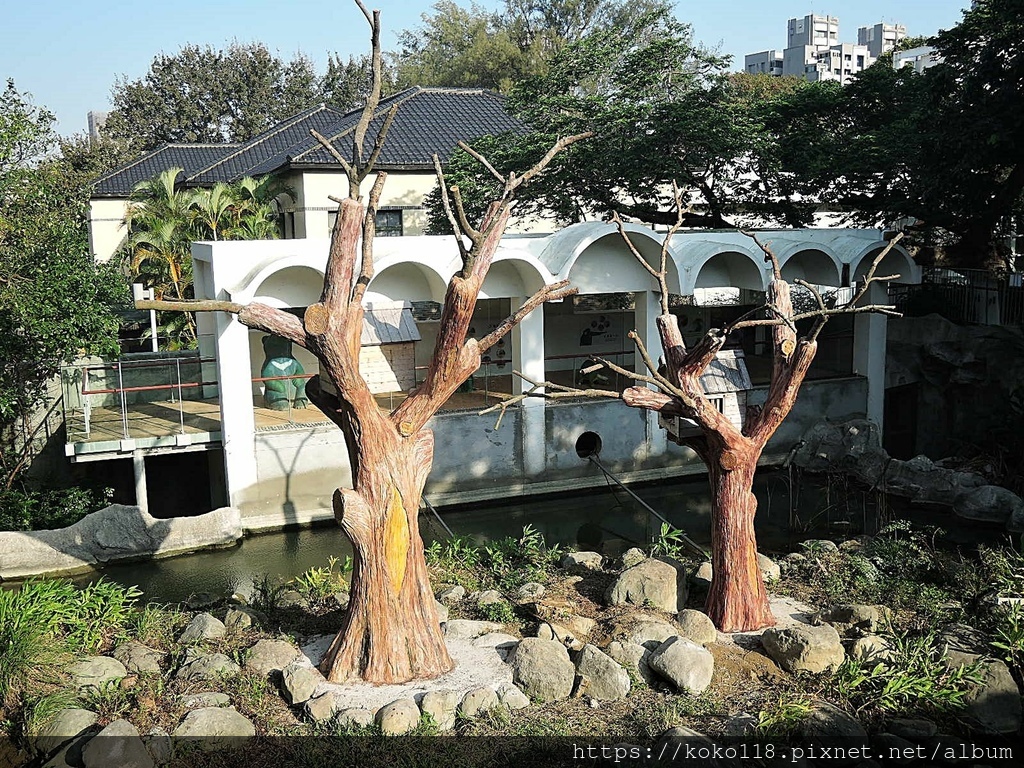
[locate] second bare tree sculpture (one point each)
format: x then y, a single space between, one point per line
391 632
737 600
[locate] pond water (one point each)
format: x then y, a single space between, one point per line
606 520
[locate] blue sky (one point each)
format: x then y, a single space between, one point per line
69 54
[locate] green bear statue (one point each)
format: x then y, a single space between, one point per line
282 394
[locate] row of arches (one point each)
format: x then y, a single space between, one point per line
596 260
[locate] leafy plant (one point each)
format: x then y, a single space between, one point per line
777 721
47 509
319 583
500 612
1009 635
266 593
917 676
670 542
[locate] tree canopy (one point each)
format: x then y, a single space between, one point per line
54 301
469 46
663 109
945 146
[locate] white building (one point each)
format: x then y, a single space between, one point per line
282 469
813 51
921 58
881 38
429 121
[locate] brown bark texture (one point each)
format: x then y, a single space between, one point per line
737 600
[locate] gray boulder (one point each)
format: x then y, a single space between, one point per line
512 697
988 503
582 562
648 632
854 620
215 728
688 666
829 726
65 726
451 594
299 680
354 717
477 702
159 745
542 669
770 571
442 611
550 630
466 629
139 658
607 680
658 582
323 707
804 648
531 590
489 597
202 627
696 626
208 666
632 556
207 699
441 706
268 657
870 649
634 658
239 617
117 746
993 705
398 717
97 672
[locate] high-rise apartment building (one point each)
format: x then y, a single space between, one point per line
813 51
881 38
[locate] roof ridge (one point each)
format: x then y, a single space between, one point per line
288 122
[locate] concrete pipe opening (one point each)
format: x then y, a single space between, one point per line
588 444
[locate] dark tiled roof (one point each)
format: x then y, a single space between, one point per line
244 160
189 157
429 120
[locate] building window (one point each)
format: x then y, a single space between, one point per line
389 223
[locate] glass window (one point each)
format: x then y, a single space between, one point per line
389 223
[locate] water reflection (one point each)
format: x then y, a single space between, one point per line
606 520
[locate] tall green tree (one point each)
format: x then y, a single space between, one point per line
946 146
203 94
663 110
469 46
54 301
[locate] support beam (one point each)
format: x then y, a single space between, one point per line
648 307
141 493
869 339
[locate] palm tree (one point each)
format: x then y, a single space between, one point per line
213 209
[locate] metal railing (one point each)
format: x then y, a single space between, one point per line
963 296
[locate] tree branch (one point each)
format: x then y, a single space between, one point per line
559 290
369 233
560 392
260 317
447 204
769 254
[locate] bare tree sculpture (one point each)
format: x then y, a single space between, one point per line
391 632
737 600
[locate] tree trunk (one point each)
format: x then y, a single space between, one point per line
737 600
391 633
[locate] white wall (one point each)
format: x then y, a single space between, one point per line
106 227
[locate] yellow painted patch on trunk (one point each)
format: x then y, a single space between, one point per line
396 544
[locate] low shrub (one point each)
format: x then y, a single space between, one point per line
46 509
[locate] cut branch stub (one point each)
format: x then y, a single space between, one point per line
316 319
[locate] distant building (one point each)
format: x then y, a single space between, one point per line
813 51
763 63
881 38
920 58
96 122
813 30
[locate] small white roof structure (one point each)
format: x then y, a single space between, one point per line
388 324
726 373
